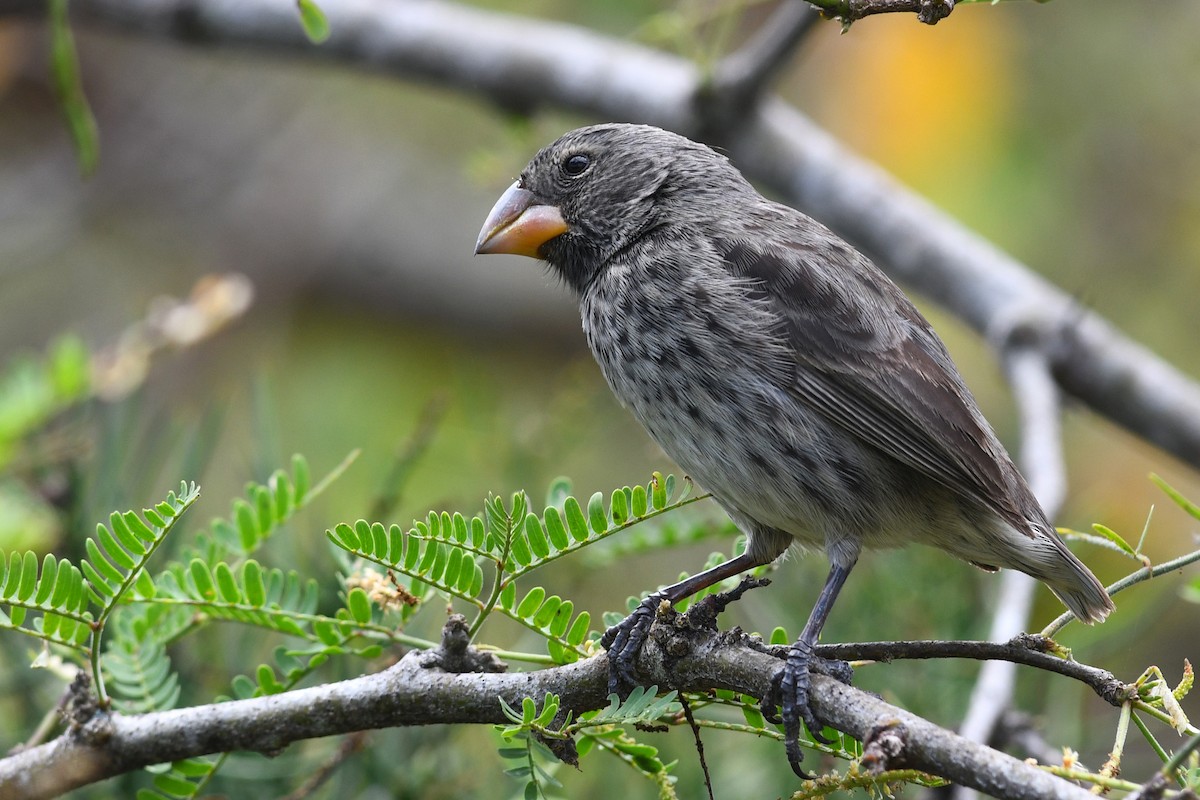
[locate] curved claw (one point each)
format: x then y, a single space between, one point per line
788 700
624 641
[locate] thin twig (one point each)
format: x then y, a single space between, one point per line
1157 748
349 746
1191 745
1129 580
1075 774
1162 716
1112 767
1020 651
927 11
691 720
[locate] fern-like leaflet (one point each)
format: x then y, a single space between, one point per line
55 594
449 552
217 580
116 558
184 779
601 728
265 508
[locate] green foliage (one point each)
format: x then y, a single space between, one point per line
532 762
316 26
115 562
449 553
139 675
597 729
55 594
216 581
605 729
248 594
182 779
266 508
481 563
1176 497
120 549
68 84
642 706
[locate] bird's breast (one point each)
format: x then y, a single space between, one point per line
700 362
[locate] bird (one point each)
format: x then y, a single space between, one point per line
781 370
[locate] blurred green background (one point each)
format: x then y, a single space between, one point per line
1068 133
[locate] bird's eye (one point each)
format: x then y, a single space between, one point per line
576 164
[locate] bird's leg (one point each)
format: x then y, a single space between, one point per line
790 686
624 640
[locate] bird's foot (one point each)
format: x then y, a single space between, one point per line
789 694
624 641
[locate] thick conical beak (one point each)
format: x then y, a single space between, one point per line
518 225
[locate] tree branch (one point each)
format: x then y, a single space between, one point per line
928 11
986 288
524 64
1032 651
740 78
415 692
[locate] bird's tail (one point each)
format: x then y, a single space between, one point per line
1079 590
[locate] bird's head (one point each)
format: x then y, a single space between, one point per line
598 189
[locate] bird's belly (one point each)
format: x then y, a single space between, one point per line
759 449
713 384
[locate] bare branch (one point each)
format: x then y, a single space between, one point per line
740 78
1032 651
411 693
926 249
525 64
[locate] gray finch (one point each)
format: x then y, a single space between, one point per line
780 369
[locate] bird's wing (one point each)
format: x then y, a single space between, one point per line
869 362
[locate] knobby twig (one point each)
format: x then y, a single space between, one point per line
410 693
928 11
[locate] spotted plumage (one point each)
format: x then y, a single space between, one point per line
778 367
